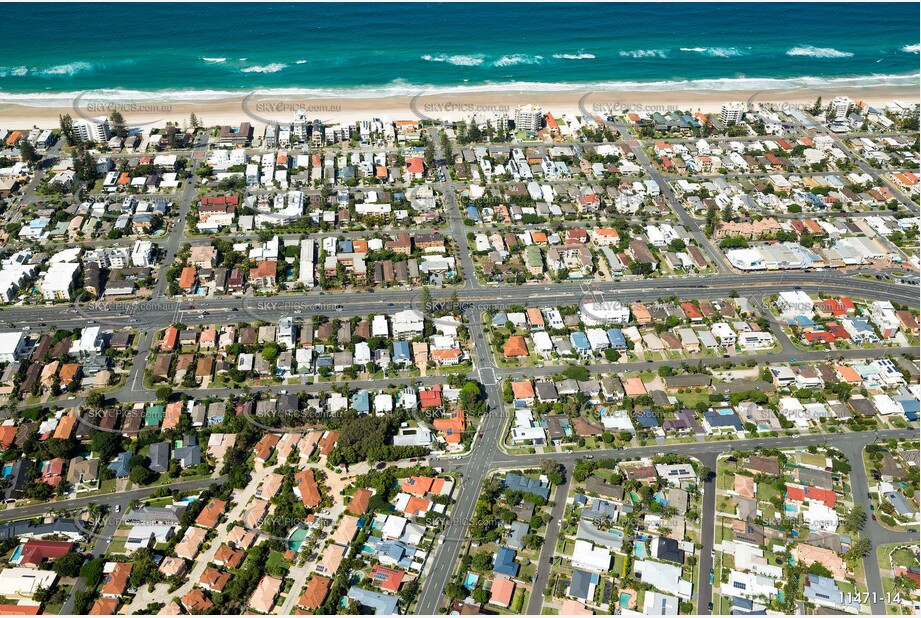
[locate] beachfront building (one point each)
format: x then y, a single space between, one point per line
529 118
732 113
92 130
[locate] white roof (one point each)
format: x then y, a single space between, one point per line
10 342
586 555
393 527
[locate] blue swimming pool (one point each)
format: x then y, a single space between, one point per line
471 580
296 539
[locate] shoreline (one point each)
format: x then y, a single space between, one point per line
260 110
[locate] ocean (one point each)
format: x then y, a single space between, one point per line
50 52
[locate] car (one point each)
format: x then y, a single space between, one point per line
725 356
872 508
390 304
869 496
793 360
297 311
42 324
712 554
913 530
118 508
710 606
27 328
234 309
419 383
91 321
588 457
339 308
711 576
873 516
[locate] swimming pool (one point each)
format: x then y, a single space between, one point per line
625 598
296 539
471 580
7 470
16 554
639 551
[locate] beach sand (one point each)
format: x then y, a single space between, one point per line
455 106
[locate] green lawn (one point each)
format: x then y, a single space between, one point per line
277 560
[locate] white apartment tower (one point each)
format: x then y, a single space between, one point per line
732 113
840 108
529 118
92 130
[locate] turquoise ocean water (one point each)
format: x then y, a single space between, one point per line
187 51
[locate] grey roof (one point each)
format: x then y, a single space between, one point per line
589 532
382 604
28 528
159 456
581 583
516 534
526 484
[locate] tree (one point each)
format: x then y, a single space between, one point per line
430 155
84 166
68 565
482 562
446 146
816 107
27 152
575 372
194 122
95 399
859 549
855 519
425 298
67 129
140 475
270 351
107 444
712 218
480 596
554 471
164 393
119 127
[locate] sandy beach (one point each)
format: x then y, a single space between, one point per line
260 110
